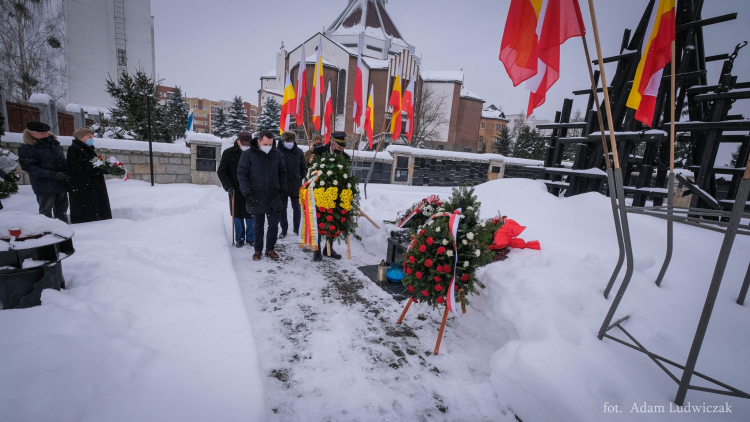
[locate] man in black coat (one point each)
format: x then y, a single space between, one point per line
89 199
262 177
227 172
42 157
336 146
296 170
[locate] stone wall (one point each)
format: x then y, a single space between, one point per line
169 167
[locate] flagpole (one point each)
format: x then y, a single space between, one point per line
372 164
618 180
610 174
670 187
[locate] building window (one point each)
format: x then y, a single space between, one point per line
341 91
439 148
467 149
195 105
204 107
497 127
482 126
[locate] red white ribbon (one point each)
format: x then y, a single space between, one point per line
408 217
453 227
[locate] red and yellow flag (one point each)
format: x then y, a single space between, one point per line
317 87
656 52
357 98
519 50
395 102
287 105
408 104
370 118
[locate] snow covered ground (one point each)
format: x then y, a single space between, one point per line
153 327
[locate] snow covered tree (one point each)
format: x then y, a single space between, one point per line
132 94
501 145
569 150
9 183
177 114
269 118
528 147
220 127
237 121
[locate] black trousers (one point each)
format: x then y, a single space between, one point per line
57 202
259 221
296 213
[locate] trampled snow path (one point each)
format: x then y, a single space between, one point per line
329 344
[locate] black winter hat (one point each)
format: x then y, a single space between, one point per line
339 138
245 137
37 127
288 136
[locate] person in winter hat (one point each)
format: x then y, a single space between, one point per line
227 172
296 170
336 146
89 200
42 157
316 142
262 177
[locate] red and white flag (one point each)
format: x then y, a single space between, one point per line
299 113
358 102
407 102
317 88
327 116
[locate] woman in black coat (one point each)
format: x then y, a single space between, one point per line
89 200
227 172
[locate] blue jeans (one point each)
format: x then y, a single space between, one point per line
239 230
273 231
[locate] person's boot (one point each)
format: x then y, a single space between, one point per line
273 255
283 234
240 244
333 254
317 256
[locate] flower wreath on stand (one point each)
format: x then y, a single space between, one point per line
328 195
416 215
441 262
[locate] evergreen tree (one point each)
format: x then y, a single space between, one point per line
177 114
269 118
237 121
220 127
502 144
9 183
529 147
132 95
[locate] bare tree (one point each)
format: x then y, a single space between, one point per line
431 117
31 48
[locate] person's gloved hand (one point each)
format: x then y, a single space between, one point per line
2 174
250 201
230 190
62 176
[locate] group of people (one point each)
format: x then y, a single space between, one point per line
61 181
262 177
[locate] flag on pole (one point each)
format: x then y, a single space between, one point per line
656 52
358 100
327 127
395 102
408 104
370 117
299 114
560 20
530 49
190 121
287 105
317 88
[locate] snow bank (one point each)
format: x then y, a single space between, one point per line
152 325
39 98
461 155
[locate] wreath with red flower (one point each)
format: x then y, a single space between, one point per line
430 263
416 215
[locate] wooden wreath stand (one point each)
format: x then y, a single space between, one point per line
348 242
445 318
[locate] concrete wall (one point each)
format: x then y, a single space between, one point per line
91 51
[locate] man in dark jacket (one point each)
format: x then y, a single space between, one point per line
336 146
42 157
262 177
296 170
227 172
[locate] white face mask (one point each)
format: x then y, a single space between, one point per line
288 145
244 148
265 148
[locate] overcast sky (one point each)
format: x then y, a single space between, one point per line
219 49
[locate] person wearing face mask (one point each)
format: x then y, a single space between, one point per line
43 158
336 146
262 177
89 200
296 170
316 142
244 232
